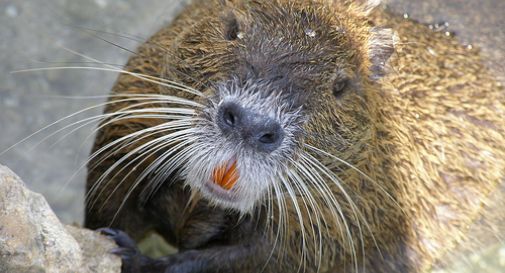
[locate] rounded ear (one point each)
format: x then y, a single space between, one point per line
225 2
231 3
381 46
363 7
370 5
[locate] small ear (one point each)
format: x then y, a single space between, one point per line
380 47
370 5
361 7
228 4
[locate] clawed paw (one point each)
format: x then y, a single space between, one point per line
127 249
134 262
122 239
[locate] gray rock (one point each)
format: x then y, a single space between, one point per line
95 249
32 239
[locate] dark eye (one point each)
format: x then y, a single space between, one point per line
339 87
232 28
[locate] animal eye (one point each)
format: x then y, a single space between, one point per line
339 87
232 29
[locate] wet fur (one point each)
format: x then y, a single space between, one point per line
416 152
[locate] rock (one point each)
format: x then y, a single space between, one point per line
95 249
32 239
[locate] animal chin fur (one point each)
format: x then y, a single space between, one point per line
258 171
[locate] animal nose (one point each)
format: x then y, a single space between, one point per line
255 129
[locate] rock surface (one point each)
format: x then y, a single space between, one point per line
32 239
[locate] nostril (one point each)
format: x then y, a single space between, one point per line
268 138
229 118
249 127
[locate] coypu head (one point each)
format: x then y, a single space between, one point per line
282 81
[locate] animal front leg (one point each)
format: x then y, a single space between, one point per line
248 256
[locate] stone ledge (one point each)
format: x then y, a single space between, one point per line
32 239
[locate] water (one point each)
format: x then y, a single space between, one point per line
35 33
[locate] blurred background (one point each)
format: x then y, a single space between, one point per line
41 34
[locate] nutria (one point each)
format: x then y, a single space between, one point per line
296 135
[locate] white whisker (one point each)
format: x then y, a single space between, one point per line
182 101
196 92
294 201
147 78
180 136
172 125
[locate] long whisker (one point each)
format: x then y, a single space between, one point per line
151 79
169 98
172 125
305 193
294 201
358 171
299 166
168 126
282 221
132 188
165 167
337 212
148 76
150 44
121 117
143 149
357 213
148 150
168 167
102 179
128 143
111 43
80 63
135 134
165 114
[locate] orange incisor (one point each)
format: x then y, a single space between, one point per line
226 175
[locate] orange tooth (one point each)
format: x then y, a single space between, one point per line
226 175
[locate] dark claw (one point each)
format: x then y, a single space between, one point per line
127 249
124 253
120 237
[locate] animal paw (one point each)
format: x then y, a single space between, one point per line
127 249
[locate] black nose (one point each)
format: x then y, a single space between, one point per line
257 130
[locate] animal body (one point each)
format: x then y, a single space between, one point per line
296 136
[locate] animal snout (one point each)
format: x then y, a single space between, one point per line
255 129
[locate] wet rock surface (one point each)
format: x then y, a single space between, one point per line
32 239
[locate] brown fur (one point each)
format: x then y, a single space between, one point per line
429 136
